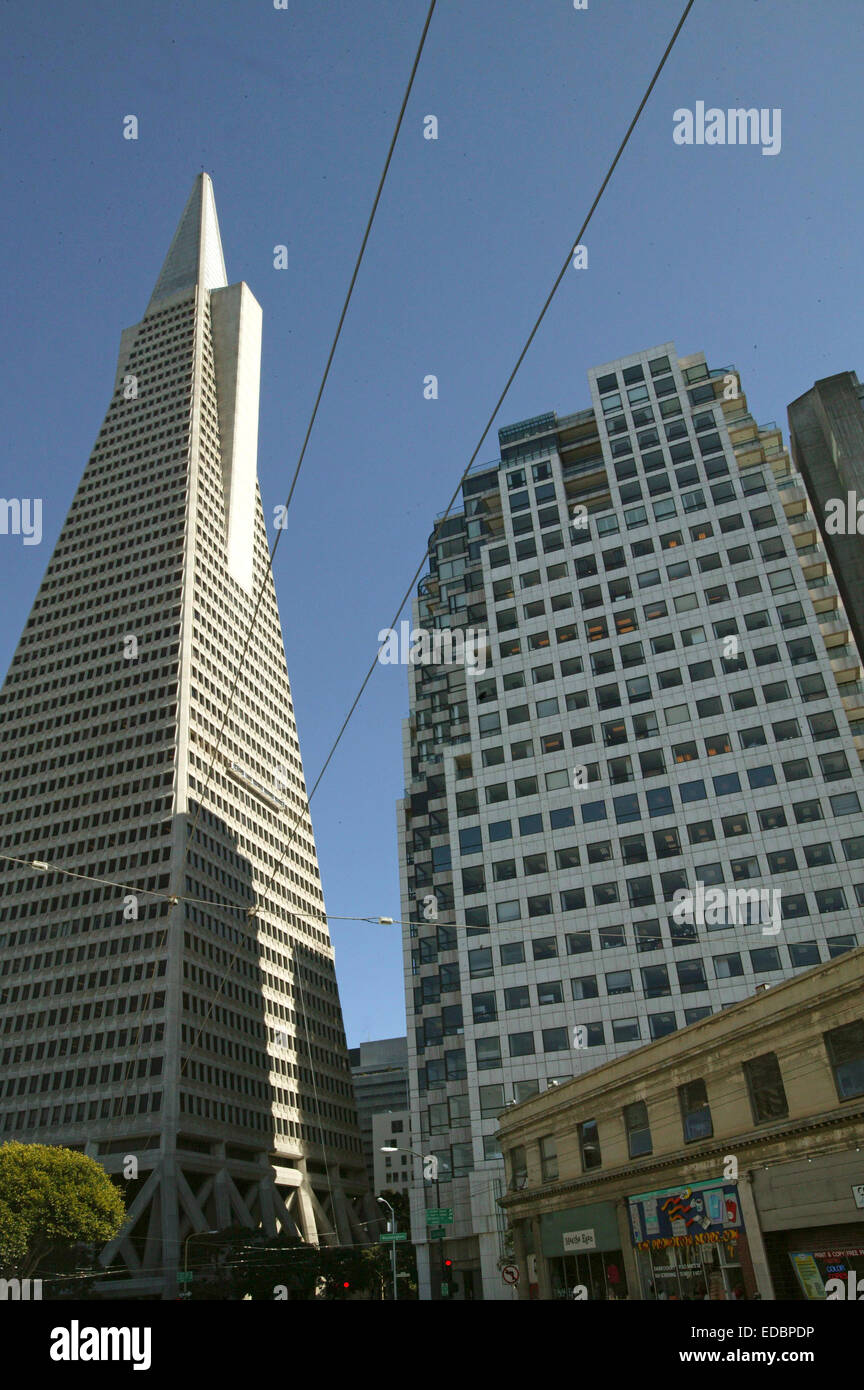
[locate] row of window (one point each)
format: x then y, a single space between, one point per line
763 1079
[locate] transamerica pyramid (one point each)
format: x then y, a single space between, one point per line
168 992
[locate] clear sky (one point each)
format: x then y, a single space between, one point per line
754 259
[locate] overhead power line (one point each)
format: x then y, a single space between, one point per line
309 427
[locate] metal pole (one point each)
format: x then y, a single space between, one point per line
393 1245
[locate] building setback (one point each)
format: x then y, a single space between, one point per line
179 1020
826 432
671 702
723 1160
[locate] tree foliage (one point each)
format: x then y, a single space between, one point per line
51 1199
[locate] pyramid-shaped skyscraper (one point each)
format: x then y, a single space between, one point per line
169 999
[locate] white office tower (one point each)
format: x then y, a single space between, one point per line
169 999
672 704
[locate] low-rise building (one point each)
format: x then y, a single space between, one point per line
723 1161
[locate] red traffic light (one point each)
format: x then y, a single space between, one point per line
448 1264
346 1285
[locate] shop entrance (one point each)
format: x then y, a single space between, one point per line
601 1273
692 1273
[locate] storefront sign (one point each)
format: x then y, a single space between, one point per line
578 1240
685 1216
816 1269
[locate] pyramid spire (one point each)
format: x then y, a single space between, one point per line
195 255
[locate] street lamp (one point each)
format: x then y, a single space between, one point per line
385 1203
430 1174
193 1235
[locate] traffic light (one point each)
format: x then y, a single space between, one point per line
448 1264
346 1284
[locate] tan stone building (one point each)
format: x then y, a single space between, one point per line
722 1161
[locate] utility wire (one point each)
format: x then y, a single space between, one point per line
269 570
499 402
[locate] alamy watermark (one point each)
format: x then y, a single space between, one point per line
737 126
21 516
718 907
445 646
844 516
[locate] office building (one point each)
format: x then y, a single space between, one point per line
166 973
379 1071
671 705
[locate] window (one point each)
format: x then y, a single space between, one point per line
655 978
845 1048
488 1051
484 1008
765 1085
648 935
765 960
619 982
516 997
521 1044
531 825
691 976
513 953
555 1040
589 1145
637 1128
804 953
584 987
548 1158
728 967
695 1111
661 1025
550 992
480 962
545 948
518 1168
491 1100
838 944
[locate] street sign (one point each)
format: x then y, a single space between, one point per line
185 1277
437 1233
391 1235
510 1274
439 1216
858 1194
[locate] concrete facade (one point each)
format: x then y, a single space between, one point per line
783 1142
826 431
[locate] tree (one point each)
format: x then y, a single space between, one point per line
50 1200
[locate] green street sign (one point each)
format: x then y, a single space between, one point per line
390 1235
438 1233
185 1277
439 1216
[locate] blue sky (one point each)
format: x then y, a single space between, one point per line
754 259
